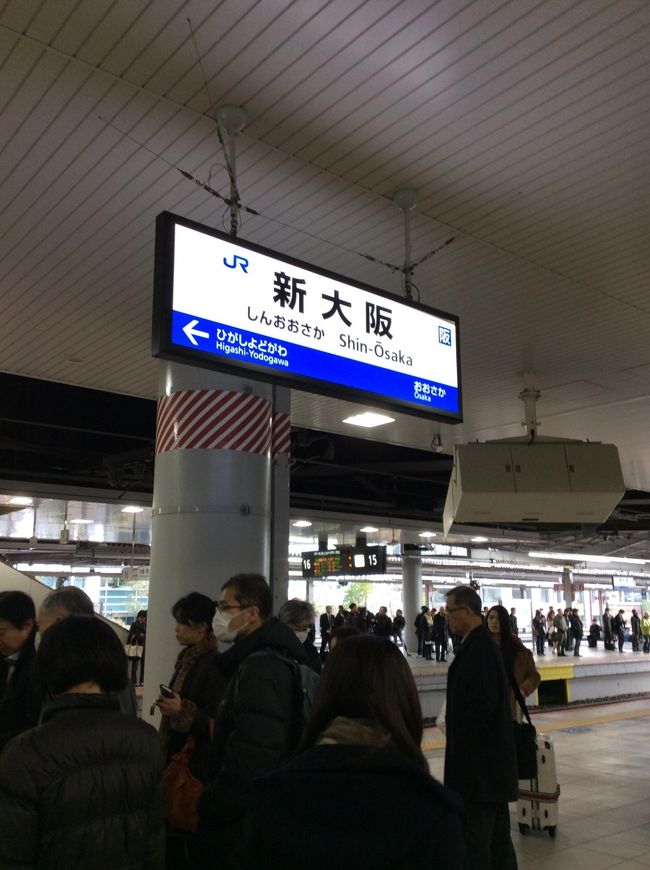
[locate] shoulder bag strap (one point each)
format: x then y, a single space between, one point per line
518 696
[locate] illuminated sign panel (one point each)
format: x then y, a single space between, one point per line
623 583
227 304
345 560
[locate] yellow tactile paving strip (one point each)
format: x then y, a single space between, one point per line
559 721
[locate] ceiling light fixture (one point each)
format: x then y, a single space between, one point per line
23 500
81 522
368 420
479 539
585 557
132 509
301 524
369 529
427 535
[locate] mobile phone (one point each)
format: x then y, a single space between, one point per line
166 692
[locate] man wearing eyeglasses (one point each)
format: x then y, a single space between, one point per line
257 720
480 761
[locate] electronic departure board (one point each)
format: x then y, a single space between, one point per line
344 560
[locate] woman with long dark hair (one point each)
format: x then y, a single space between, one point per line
360 753
517 658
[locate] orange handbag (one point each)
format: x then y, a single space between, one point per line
182 790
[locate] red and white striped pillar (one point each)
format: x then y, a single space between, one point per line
217 506
280 456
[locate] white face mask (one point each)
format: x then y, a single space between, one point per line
302 635
221 629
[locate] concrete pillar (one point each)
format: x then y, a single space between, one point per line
412 593
213 498
567 587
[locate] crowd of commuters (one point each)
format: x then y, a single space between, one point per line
433 634
564 631
85 783
364 621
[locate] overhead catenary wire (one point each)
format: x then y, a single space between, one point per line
229 201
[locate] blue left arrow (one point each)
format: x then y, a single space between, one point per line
191 332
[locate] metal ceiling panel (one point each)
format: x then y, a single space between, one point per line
523 126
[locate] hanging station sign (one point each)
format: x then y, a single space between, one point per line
227 304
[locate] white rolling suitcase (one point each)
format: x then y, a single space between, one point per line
537 807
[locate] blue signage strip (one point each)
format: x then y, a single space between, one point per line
238 345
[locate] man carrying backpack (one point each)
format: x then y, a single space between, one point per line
260 718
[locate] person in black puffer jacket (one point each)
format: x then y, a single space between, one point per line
83 790
360 750
259 720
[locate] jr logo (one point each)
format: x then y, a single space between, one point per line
237 260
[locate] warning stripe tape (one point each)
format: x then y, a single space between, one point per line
213 420
281 436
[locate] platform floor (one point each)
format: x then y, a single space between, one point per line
603 759
587 657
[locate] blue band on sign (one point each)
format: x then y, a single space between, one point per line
236 344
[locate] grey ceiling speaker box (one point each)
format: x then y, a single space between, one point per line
541 482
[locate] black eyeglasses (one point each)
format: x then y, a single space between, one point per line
224 608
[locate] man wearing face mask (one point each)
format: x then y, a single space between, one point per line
256 726
299 616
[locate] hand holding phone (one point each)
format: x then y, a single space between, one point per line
165 691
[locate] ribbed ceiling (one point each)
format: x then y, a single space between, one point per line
523 126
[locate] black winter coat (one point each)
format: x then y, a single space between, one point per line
440 631
20 698
137 633
83 791
312 659
383 626
480 761
576 627
425 832
255 728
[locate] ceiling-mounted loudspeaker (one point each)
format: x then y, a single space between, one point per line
544 482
